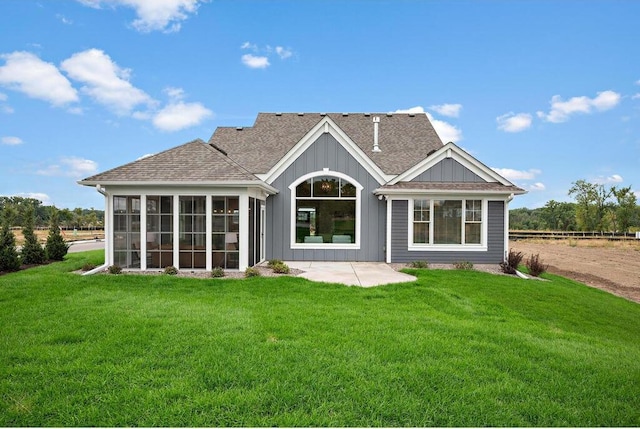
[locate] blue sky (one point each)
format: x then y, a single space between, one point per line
545 92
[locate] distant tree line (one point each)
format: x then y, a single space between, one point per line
596 208
77 218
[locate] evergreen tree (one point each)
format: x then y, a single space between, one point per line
32 251
9 259
55 248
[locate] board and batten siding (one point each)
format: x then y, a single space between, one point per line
448 170
325 152
495 239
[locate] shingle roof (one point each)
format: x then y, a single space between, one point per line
195 161
452 186
404 139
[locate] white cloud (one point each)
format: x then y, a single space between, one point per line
70 167
514 123
614 178
451 110
249 45
153 15
538 186
446 131
27 73
146 155
3 97
44 198
179 115
105 81
635 96
513 175
562 110
11 140
255 62
283 53
64 19
174 93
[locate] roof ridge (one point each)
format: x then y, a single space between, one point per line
229 160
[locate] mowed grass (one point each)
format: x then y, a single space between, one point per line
455 348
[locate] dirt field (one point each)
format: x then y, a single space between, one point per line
611 266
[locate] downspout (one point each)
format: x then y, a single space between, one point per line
104 266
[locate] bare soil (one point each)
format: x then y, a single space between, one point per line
610 266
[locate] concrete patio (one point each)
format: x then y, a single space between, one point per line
364 274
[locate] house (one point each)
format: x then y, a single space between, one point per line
307 186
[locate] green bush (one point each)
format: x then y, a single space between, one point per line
56 248
251 272
463 265
9 258
114 269
32 252
281 268
419 264
217 272
171 270
273 262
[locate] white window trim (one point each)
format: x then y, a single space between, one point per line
425 247
292 219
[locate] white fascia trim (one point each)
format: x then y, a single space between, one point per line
293 217
199 184
388 231
326 125
450 150
400 194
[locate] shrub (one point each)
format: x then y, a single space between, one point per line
510 266
281 268
463 265
9 259
171 270
273 262
217 272
419 264
114 269
32 252
88 266
55 248
535 266
251 272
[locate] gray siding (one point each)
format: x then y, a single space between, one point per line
325 152
448 170
495 244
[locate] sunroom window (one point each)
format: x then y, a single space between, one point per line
325 211
446 222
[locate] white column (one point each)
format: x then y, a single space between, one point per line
176 232
108 230
143 231
388 240
209 229
243 241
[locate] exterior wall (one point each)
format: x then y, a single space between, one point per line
495 239
448 170
325 152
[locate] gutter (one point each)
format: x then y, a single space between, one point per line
96 270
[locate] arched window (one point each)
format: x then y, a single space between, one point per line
325 211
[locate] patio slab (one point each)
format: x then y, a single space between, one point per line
364 274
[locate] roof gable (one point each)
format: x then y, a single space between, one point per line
450 150
404 139
326 125
192 162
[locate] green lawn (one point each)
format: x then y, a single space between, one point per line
455 348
